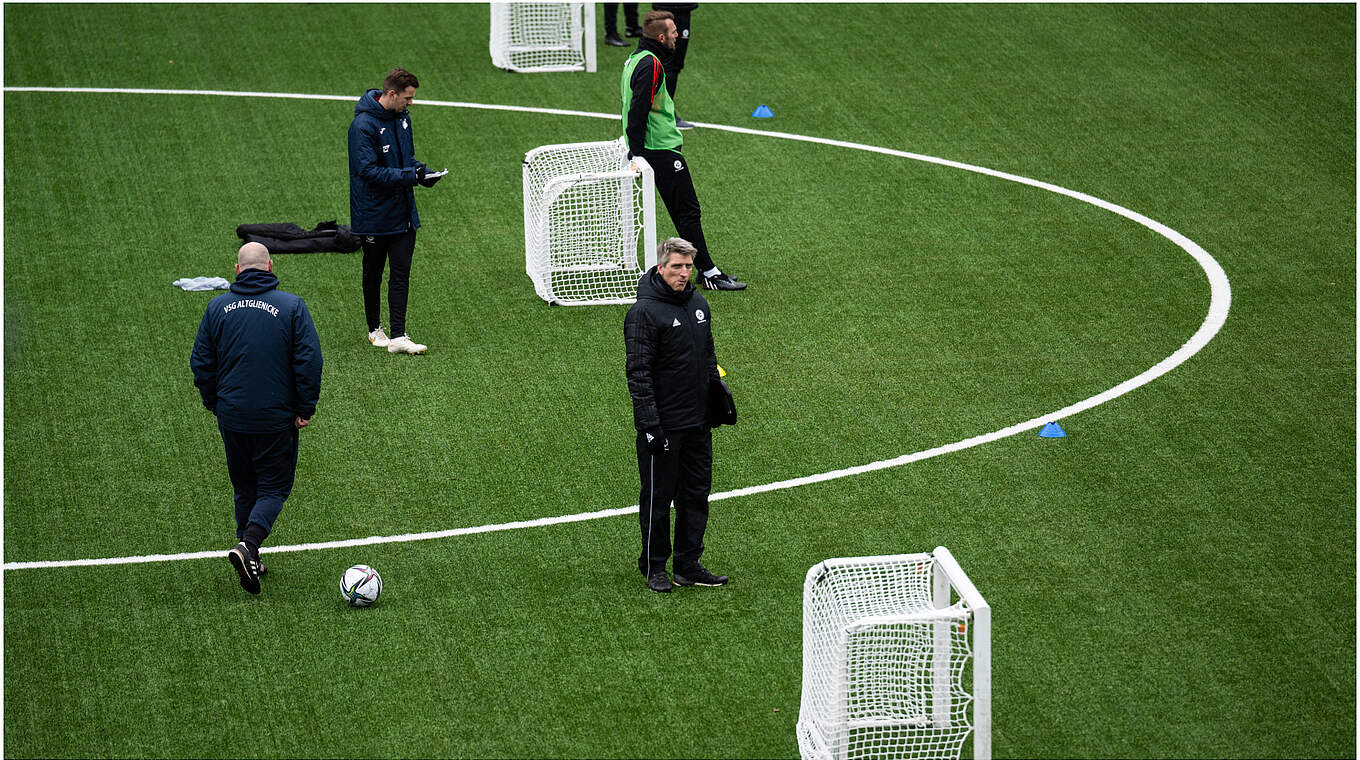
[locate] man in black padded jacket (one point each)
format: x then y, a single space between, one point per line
670 366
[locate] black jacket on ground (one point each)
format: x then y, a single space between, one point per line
669 340
257 358
286 237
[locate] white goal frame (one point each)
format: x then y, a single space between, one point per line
886 643
587 207
543 37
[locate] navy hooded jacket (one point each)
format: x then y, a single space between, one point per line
257 358
382 170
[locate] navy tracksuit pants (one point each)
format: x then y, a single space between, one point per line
378 251
683 475
261 466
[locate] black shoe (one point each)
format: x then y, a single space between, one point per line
699 576
632 31
722 281
682 124
659 583
613 39
246 566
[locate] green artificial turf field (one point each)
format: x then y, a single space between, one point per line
1175 578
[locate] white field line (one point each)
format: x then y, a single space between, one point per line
1220 299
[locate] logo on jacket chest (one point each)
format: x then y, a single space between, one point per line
385 147
699 316
404 125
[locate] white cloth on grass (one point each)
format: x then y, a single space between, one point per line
202 283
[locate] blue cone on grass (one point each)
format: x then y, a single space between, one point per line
763 112
1052 430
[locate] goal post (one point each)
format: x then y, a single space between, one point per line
952 583
587 209
543 37
892 646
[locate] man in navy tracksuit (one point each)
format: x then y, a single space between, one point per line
383 171
670 366
257 364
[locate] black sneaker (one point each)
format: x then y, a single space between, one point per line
682 124
246 566
632 31
613 39
722 281
659 583
699 576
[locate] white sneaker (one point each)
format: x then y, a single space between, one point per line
402 344
379 338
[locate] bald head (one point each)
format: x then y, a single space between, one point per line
253 256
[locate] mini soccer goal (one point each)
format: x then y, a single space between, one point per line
889 645
538 37
587 207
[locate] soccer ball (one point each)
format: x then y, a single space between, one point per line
360 585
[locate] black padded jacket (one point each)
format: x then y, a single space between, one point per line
669 341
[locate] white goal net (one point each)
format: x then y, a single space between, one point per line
889 645
538 37
587 208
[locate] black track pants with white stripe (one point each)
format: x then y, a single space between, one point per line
683 475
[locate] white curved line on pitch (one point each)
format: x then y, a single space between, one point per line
1220 299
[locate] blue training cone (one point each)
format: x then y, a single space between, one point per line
1052 430
763 112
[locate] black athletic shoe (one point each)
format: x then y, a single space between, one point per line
681 124
633 31
659 583
722 281
699 576
613 39
246 566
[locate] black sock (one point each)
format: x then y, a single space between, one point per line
254 536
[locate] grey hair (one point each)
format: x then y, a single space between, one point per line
672 246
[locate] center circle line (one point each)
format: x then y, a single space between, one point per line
1220 300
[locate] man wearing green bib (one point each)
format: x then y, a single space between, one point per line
649 128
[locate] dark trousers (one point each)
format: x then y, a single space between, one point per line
378 251
611 17
683 475
676 186
261 466
677 60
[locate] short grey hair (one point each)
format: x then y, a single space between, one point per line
671 247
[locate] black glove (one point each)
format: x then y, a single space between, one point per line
420 171
656 441
426 181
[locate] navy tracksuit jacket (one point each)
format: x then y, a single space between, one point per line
257 363
382 170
